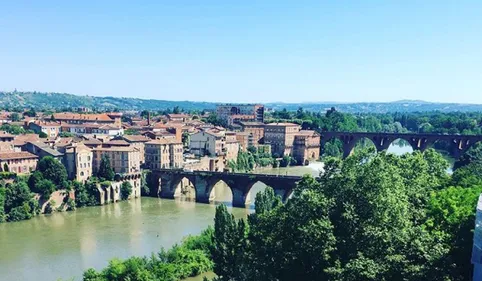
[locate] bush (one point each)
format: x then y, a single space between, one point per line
190 258
45 188
126 190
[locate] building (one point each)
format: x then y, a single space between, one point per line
178 117
234 113
232 146
6 142
78 160
306 147
244 140
93 129
77 118
164 154
18 162
281 137
289 139
51 129
137 141
123 160
255 130
209 142
42 149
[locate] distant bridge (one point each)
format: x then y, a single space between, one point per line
164 182
459 143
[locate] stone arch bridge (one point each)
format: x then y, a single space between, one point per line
459 143
164 182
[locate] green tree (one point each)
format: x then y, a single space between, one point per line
451 211
31 112
125 190
5 167
3 216
15 117
45 187
105 170
53 170
43 135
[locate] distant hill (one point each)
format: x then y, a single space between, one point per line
62 100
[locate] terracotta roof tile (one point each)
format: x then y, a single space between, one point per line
16 155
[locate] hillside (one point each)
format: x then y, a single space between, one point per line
61 100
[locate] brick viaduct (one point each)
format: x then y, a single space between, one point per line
163 183
459 143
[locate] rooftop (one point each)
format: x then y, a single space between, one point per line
116 148
85 117
16 155
136 138
164 141
285 124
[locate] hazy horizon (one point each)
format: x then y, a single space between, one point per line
268 51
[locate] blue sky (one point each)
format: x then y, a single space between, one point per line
245 51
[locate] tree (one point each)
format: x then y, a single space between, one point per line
6 168
53 170
34 179
363 219
43 135
451 211
45 187
15 117
31 112
3 216
125 190
105 170
66 134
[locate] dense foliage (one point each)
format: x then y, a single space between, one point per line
190 258
105 170
467 123
369 217
17 201
125 190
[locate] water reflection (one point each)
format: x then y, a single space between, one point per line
63 245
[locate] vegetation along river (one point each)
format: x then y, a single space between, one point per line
63 245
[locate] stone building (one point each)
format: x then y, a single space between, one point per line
22 162
232 146
137 141
255 131
210 142
78 161
123 160
52 129
306 147
234 113
6 142
164 154
289 139
281 137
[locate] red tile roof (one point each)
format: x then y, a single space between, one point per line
16 155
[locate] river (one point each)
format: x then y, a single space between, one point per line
63 245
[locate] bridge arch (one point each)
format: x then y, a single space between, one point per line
219 191
184 189
400 146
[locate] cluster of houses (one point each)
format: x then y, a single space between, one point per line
164 142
